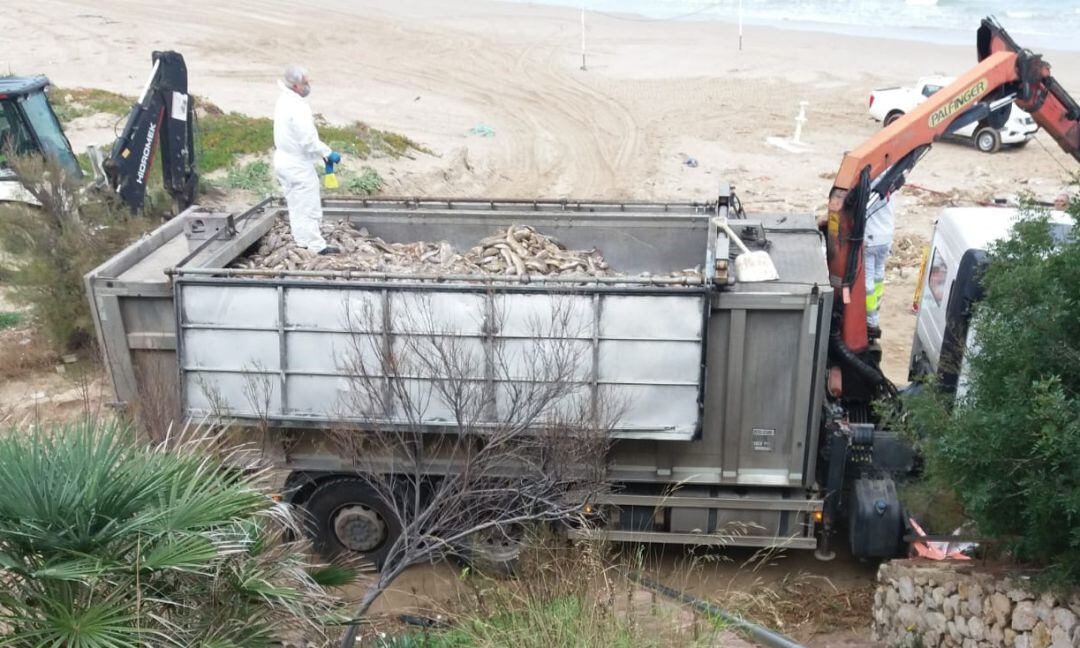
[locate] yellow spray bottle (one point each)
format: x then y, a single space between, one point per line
330 179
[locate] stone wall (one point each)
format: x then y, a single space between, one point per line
923 603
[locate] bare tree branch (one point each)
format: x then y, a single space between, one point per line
463 435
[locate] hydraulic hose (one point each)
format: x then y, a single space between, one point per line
856 202
841 352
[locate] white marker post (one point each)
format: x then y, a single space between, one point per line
583 36
795 144
740 25
800 119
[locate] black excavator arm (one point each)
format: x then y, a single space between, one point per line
164 113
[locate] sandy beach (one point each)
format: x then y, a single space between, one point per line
653 94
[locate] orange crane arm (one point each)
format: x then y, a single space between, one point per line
1005 73
1040 93
928 121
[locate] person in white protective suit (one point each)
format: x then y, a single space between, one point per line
297 150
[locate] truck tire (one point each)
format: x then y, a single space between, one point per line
892 116
495 553
347 517
987 140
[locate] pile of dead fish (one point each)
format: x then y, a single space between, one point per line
519 250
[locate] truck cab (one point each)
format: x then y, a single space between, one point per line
28 126
950 288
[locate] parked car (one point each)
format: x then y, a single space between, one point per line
889 104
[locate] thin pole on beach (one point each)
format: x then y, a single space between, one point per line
740 25
583 35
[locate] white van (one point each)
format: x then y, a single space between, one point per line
950 288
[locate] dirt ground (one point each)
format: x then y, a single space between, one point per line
653 95
819 604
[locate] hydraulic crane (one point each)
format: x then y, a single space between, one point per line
857 476
1006 73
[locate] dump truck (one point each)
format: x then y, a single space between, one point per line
749 403
724 379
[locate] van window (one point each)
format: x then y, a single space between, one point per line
935 279
929 89
14 137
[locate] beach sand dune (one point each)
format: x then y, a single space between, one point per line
654 93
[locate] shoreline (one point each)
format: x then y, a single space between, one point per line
928 34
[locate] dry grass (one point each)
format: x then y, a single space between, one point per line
805 604
23 352
768 587
564 595
907 251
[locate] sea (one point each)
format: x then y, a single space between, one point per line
1035 24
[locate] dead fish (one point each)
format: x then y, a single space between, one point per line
516 250
516 247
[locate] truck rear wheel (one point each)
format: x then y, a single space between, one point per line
987 140
347 516
496 552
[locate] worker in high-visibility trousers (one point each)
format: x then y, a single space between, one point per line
876 249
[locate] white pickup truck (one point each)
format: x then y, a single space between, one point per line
889 104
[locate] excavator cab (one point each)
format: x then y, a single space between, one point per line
163 117
28 125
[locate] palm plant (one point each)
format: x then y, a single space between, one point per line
105 541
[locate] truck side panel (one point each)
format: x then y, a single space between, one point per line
305 345
762 410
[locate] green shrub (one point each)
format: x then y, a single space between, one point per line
360 140
69 104
10 319
222 137
56 244
107 542
1010 446
254 176
366 184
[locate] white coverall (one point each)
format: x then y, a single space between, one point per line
298 150
878 244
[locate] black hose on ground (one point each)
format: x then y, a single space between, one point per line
761 635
